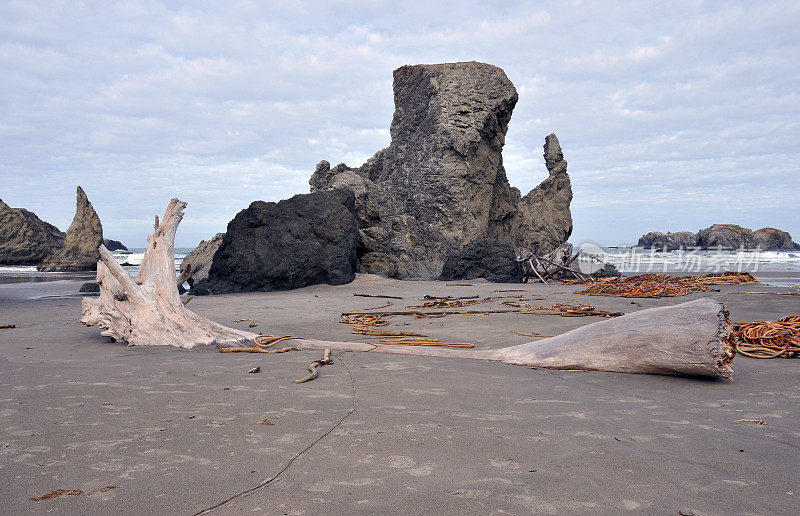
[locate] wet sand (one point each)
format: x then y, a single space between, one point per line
181 431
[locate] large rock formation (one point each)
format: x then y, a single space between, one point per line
486 258
84 237
774 239
202 256
668 241
440 184
301 241
25 239
726 236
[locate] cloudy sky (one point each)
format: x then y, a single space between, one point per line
672 116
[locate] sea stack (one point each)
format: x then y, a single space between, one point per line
441 185
544 221
83 239
726 236
721 236
114 245
774 239
305 240
25 239
668 241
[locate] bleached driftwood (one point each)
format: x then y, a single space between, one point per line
692 338
686 339
147 309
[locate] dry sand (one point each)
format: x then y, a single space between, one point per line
181 431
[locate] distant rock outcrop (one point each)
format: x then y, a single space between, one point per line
25 239
774 239
305 240
484 258
721 236
441 185
668 241
84 238
201 257
726 236
114 245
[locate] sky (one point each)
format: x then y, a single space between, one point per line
672 115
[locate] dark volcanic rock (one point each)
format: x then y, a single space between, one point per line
668 241
774 239
84 238
484 258
609 270
90 287
301 241
114 245
726 236
440 184
202 256
25 239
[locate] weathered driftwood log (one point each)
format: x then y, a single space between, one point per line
689 339
147 309
686 339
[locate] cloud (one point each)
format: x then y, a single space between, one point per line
671 116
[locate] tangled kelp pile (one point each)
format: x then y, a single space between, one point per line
769 339
663 285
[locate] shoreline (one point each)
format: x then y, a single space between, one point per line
177 428
66 285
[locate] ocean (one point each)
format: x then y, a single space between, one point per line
26 283
775 268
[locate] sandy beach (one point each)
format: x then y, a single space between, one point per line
156 430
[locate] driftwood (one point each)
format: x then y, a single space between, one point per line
555 265
687 339
183 277
378 295
147 309
565 269
552 265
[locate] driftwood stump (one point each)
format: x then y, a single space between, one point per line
146 310
687 339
